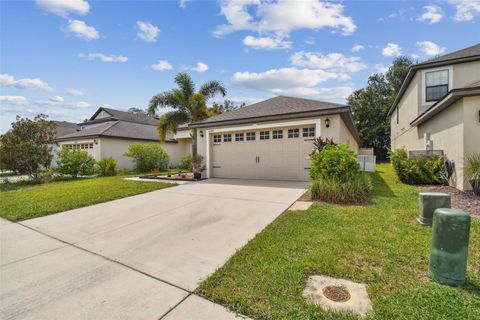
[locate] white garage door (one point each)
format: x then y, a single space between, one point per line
274 154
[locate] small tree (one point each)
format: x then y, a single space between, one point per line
27 147
148 156
75 162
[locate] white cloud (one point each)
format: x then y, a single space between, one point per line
183 3
266 43
281 79
466 10
103 57
336 62
323 94
357 48
392 50
432 14
147 31
162 65
430 48
58 101
380 68
310 41
81 30
25 83
13 100
283 16
75 92
393 15
200 67
63 8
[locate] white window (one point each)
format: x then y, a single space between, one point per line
250 136
227 137
239 136
293 133
264 135
309 132
277 134
217 138
436 85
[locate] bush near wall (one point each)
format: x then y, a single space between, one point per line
418 170
75 162
148 156
107 167
336 176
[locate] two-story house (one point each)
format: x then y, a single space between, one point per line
438 109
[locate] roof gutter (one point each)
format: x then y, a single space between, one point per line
425 65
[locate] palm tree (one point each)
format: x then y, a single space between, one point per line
188 105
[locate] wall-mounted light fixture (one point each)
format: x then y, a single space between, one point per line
201 133
327 123
95 141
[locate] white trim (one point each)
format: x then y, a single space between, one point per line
255 126
450 83
207 153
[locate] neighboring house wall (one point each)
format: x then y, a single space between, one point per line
454 130
115 148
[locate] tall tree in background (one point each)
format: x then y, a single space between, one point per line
226 106
187 104
27 147
371 104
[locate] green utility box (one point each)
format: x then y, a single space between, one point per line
428 202
448 256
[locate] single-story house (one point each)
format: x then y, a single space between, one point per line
109 133
271 139
437 109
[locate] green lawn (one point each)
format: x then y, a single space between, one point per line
380 244
22 200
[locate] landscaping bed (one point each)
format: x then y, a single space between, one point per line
380 244
463 200
188 176
24 200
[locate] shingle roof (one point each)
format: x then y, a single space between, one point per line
116 129
64 127
275 106
126 116
459 54
464 55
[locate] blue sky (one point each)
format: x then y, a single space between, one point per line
66 58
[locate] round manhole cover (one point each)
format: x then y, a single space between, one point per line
336 293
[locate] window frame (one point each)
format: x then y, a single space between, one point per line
238 135
293 133
265 135
227 137
449 85
277 134
248 136
217 138
309 131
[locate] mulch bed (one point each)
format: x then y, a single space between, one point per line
463 200
179 177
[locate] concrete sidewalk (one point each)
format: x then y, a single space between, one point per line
140 257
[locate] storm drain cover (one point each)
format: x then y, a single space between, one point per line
338 295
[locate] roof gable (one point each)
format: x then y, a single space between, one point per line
106 114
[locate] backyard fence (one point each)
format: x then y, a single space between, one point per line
367 162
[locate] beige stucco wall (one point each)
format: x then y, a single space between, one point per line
115 148
95 152
337 131
465 74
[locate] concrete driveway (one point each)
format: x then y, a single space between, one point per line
135 258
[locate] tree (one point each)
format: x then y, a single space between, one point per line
136 110
148 156
27 147
188 105
371 104
226 106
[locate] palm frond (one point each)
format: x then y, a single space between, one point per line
211 88
185 83
165 99
169 122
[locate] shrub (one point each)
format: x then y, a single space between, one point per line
418 170
335 162
472 171
320 143
107 167
148 156
358 189
75 162
186 163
